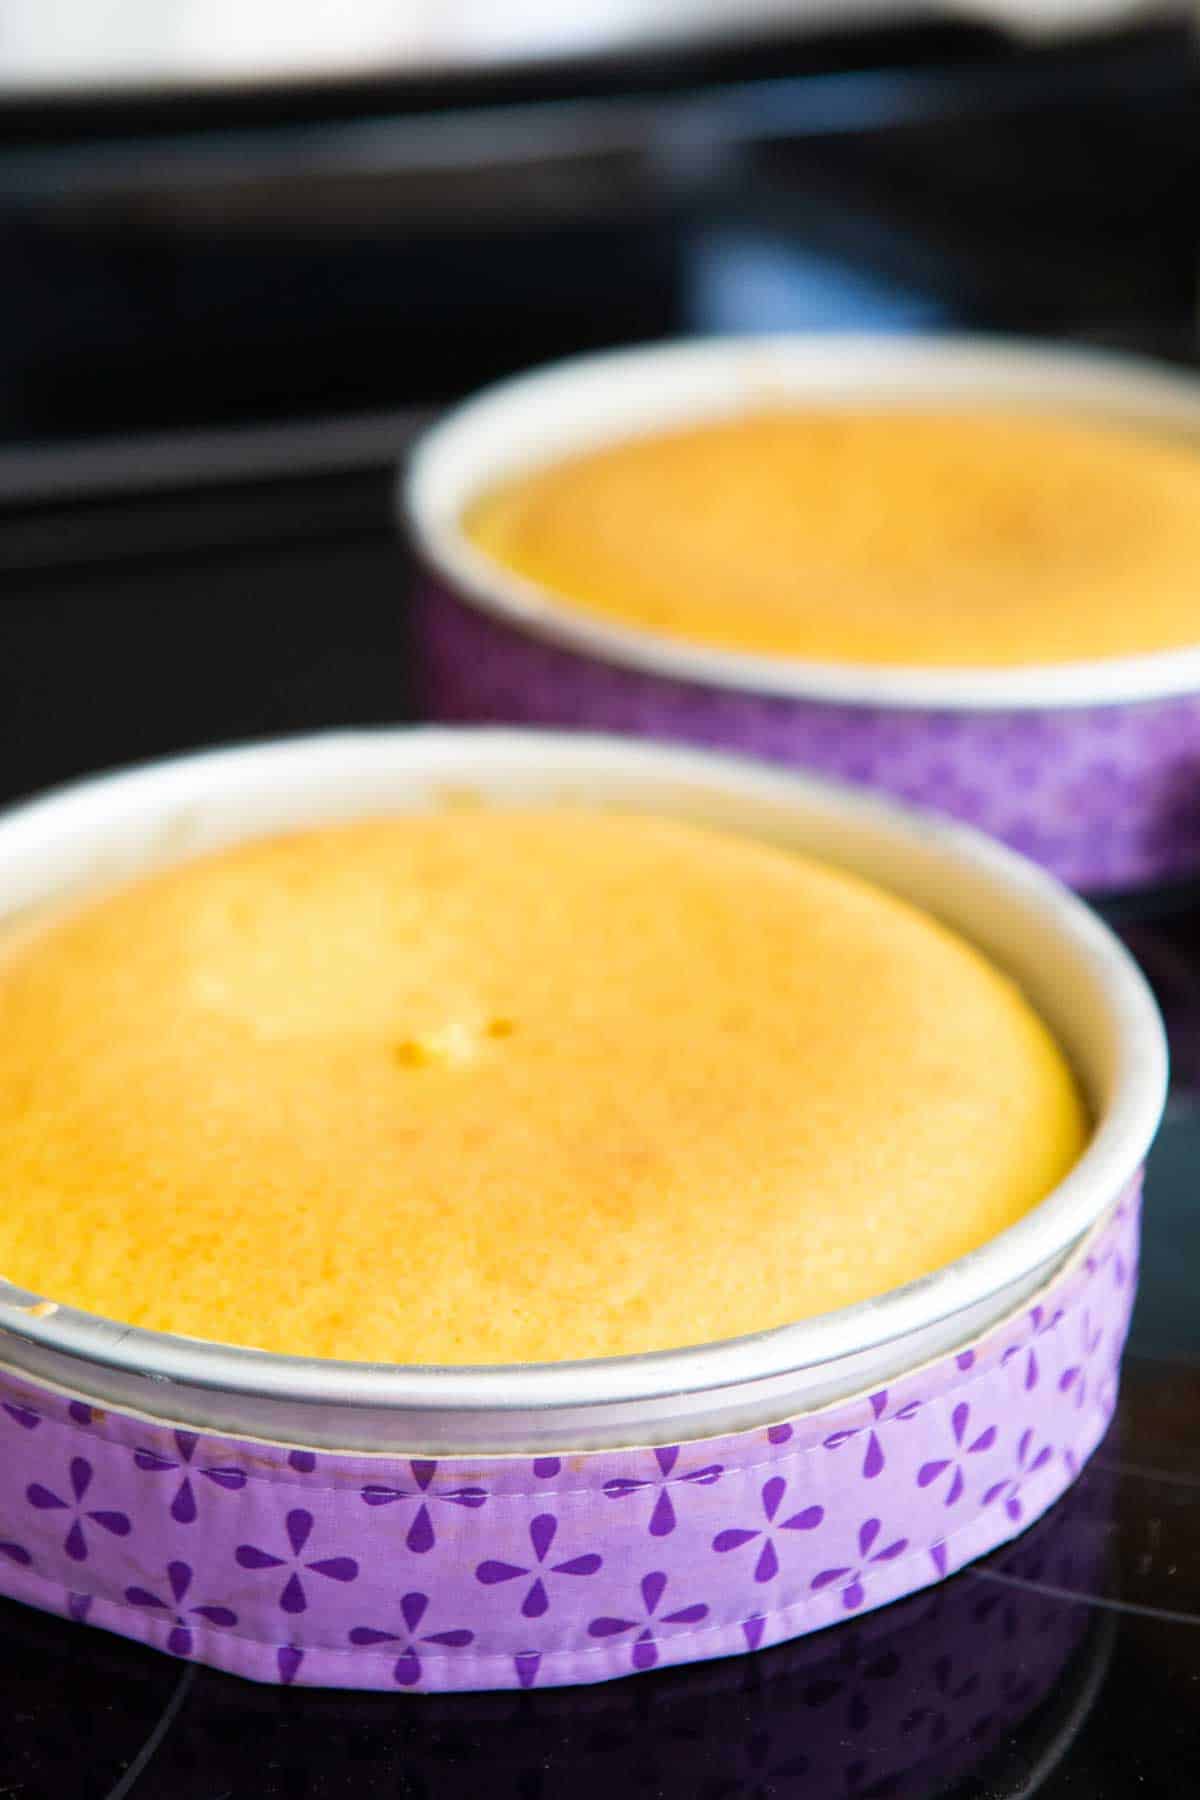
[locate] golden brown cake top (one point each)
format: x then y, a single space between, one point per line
927 539
483 1087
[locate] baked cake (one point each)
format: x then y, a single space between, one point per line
483 1087
931 539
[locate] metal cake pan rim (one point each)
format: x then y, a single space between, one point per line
357 764
602 395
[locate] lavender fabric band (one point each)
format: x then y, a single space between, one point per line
1106 797
904 1702
343 1570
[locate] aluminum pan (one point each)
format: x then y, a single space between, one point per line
1074 969
587 400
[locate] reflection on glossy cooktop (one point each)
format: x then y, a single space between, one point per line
1066 1664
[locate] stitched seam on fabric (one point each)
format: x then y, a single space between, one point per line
213 1634
787 1454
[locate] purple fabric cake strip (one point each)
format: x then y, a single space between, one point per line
342 1570
1106 797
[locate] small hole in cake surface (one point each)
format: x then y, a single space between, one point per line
501 1028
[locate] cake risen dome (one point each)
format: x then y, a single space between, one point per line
927 539
482 1087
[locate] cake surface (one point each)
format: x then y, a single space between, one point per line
477 1087
927 539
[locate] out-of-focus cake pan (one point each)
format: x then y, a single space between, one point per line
1091 768
450 1528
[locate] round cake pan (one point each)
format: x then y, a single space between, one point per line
361 1525
1091 768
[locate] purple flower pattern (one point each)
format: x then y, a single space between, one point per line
663 1518
183 1503
874 1459
421 1536
533 1575
542 1532
766 1565
1104 796
645 1647
79 1474
527 1666
1010 1489
406 1670
951 1688
764 1776
181 1639
1031 1369
932 1471
1074 1378
293 1596
850 1691
852 1580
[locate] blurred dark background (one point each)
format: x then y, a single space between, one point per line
227 304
